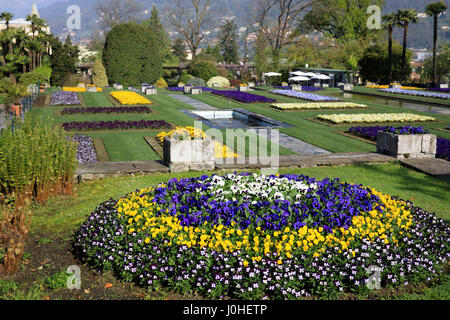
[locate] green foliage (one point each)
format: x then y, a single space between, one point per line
161 83
211 54
373 65
228 42
442 65
156 28
63 61
131 55
340 19
14 91
99 77
203 69
56 281
36 159
39 75
196 82
179 49
185 77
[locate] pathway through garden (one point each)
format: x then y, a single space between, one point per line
286 141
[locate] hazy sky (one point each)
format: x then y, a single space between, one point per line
21 8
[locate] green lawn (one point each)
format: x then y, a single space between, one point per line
404 96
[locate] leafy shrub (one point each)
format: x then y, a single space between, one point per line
185 77
196 82
203 69
220 81
131 55
40 74
161 83
235 82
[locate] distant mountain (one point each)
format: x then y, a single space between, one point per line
420 35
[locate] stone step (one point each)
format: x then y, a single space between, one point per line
439 168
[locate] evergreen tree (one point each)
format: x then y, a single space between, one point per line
157 29
179 49
228 41
63 60
99 77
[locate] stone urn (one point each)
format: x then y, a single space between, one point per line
404 146
185 155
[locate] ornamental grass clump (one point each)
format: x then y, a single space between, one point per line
36 163
252 236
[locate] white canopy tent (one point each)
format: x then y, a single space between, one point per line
298 73
321 77
271 74
299 78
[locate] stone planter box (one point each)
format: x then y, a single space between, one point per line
196 91
395 86
187 89
180 85
243 89
325 85
348 87
296 87
316 84
443 85
91 89
118 86
144 87
81 85
186 155
407 146
151 91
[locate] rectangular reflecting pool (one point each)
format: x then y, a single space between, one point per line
234 119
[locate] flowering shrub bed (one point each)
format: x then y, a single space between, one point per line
115 125
317 105
304 95
442 148
243 97
253 237
85 149
62 98
94 110
374 117
426 94
187 133
129 97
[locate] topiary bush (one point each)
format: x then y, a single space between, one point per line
39 75
203 69
197 82
131 55
99 77
218 81
161 83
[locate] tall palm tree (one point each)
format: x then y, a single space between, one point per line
405 17
37 24
390 20
7 17
435 9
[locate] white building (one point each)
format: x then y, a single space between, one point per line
23 24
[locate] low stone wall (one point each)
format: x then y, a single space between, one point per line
407 146
189 155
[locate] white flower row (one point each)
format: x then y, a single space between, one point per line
317 105
256 187
374 117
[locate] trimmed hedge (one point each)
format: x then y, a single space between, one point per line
131 55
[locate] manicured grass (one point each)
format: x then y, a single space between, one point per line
404 96
318 134
64 214
94 99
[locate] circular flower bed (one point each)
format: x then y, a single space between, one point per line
253 237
